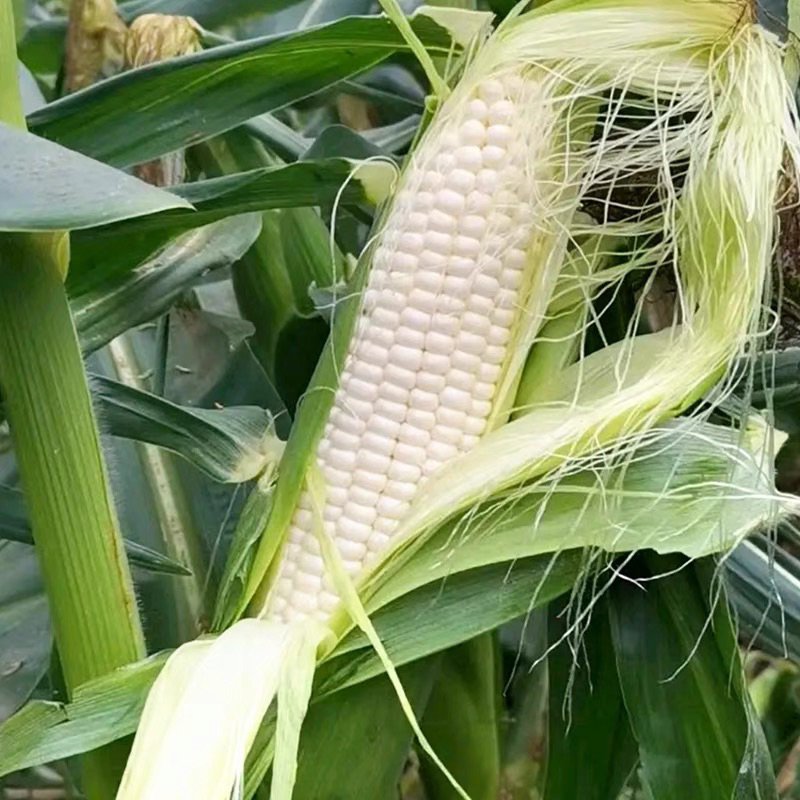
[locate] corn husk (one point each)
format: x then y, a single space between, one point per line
712 84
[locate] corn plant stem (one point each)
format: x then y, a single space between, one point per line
46 396
178 528
57 445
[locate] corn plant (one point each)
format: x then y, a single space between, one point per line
391 398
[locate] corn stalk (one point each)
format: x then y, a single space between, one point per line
57 445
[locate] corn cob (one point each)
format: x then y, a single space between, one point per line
438 311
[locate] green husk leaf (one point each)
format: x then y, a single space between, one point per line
257 659
460 591
693 488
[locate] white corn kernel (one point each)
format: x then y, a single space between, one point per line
478 202
351 551
470 343
469 157
487 181
417 222
430 281
458 379
432 180
400 375
472 131
366 479
391 508
435 363
411 243
360 513
400 490
491 91
439 242
381 425
407 358
406 473
365 497
460 180
408 337
472 225
410 435
390 410
382 445
423 300
391 392
422 418
363 390
477 109
501 112
337 477
441 221
414 318
354 530
450 201
441 450
375 462
493 156
430 383
421 400
454 398
446 435
498 135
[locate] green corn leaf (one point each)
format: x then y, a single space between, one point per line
300 184
396 136
212 91
339 141
274 279
46 187
404 97
107 709
228 444
243 548
277 136
763 582
462 721
466 604
584 690
14 527
306 246
106 301
681 679
101 711
25 637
